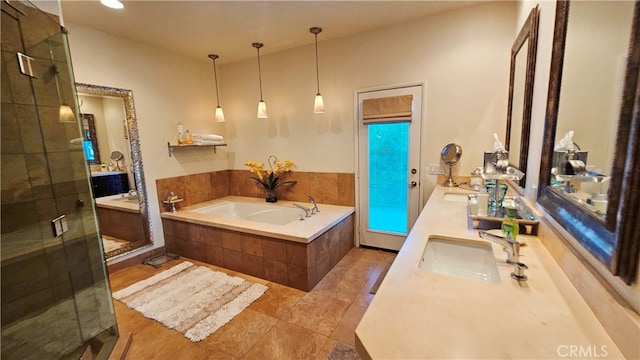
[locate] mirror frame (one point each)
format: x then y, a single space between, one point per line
136 159
620 227
529 31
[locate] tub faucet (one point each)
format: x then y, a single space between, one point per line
315 206
510 246
307 211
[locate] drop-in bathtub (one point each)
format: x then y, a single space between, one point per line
262 239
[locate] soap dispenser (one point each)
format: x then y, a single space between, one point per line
510 227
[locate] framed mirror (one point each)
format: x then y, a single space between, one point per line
593 91
124 226
521 77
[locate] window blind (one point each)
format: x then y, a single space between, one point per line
387 109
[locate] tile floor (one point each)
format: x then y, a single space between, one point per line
285 323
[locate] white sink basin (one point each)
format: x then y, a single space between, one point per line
455 197
460 258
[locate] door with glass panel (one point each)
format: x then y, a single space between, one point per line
388 165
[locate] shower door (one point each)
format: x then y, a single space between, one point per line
56 299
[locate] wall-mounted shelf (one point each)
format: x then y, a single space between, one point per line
171 146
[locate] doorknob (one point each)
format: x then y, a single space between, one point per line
413 184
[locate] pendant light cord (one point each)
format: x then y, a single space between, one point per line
315 31
317 71
259 73
215 74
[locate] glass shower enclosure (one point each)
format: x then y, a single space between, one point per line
56 299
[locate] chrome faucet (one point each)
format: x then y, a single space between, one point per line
510 246
315 206
307 211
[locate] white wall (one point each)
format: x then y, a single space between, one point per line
462 56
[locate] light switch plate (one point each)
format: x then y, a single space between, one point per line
435 169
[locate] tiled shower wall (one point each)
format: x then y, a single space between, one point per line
326 188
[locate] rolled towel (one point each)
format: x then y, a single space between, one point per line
208 142
207 137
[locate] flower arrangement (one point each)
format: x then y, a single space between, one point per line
271 179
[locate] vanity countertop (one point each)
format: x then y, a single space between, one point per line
119 202
417 314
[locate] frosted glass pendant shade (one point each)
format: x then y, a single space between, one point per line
318 105
219 114
114 4
262 110
66 114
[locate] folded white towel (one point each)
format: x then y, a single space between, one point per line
75 144
207 137
208 142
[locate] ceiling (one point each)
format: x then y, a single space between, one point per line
228 28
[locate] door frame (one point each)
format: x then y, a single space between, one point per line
358 170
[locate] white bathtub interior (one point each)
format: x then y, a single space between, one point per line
270 214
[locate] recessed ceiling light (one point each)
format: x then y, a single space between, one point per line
114 4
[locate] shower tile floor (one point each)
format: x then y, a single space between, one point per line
285 323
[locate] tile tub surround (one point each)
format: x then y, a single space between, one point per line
326 188
120 219
461 318
285 258
120 224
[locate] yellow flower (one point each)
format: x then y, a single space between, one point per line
270 178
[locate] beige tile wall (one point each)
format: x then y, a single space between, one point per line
326 188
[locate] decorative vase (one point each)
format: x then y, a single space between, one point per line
271 196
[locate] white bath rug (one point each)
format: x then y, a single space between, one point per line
193 300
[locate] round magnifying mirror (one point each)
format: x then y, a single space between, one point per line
116 155
450 155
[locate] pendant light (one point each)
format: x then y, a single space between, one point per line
65 112
262 106
219 116
318 103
